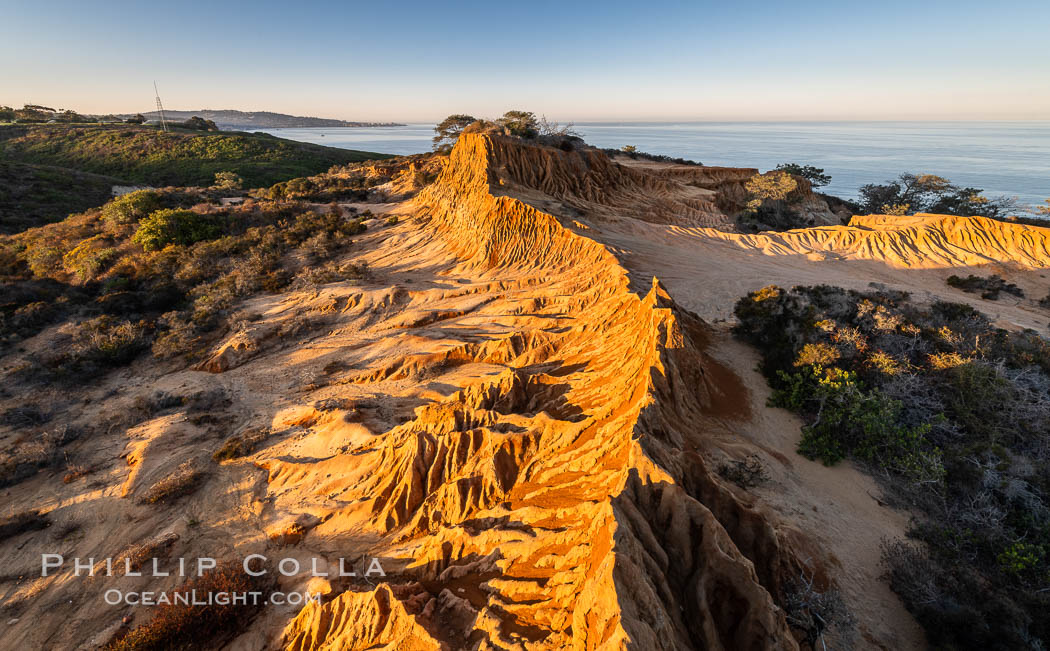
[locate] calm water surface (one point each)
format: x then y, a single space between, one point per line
1003 158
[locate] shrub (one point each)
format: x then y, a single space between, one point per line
176 298
26 457
198 123
182 481
24 416
851 421
746 473
1020 557
818 354
107 341
884 363
170 226
911 193
954 413
228 181
87 259
22 522
43 259
818 614
184 625
815 175
94 346
178 336
989 287
977 397
771 216
132 207
135 556
773 186
75 472
176 158
957 607
241 444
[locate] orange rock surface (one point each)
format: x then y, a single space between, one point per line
519 412
562 495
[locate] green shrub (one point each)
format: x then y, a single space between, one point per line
132 207
170 226
989 287
228 181
850 421
1020 557
174 298
178 158
42 260
977 397
87 259
954 413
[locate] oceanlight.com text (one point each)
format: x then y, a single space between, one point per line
114 597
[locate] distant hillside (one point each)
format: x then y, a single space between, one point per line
146 155
228 119
31 195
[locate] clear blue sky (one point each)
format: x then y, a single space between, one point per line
419 61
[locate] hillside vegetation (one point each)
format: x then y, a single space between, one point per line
953 414
178 158
472 368
160 269
31 195
263 119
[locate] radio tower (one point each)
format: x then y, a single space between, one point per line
160 109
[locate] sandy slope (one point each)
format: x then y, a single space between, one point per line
517 419
709 270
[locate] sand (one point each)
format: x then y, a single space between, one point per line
521 412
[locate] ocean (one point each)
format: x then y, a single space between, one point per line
1002 158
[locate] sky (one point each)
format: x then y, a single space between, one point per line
417 61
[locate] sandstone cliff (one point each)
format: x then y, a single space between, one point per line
565 491
518 411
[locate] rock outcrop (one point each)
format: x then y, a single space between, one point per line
921 241
560 503
512 411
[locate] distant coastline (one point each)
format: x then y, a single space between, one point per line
230 119
1004 158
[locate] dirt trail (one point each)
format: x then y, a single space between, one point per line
838 506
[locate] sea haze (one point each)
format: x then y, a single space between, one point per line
1003 158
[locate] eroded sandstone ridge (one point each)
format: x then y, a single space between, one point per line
513 404
918 241
558 503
